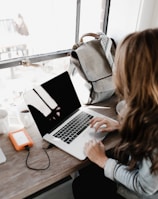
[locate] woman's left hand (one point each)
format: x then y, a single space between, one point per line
95 151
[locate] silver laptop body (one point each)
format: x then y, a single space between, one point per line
55 104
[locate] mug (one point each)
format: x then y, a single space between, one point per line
25 117
4 122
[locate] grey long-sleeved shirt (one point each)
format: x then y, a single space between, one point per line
139 183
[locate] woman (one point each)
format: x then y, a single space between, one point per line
133 164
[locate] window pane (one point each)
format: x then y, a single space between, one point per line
34 27
92 16
30 27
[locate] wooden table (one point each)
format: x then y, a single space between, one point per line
17 181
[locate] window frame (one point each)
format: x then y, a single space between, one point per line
57 54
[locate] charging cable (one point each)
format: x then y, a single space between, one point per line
27 148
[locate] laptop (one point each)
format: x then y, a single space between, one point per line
53 105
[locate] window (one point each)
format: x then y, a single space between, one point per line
41 33
31 29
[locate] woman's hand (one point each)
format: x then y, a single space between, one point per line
95 151
105 124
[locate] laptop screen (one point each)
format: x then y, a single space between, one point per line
52 102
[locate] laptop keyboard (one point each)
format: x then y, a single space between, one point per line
73 128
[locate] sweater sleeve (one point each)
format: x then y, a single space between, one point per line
140 181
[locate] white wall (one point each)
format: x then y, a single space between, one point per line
148 14
154 19
127 16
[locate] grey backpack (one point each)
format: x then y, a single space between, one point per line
90 69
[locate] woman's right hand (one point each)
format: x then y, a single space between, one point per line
104 124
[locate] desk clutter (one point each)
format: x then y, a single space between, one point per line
12 125
14 118
17 120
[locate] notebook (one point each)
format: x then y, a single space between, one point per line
53 105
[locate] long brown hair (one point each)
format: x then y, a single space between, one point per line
136 79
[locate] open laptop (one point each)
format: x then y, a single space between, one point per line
55 104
